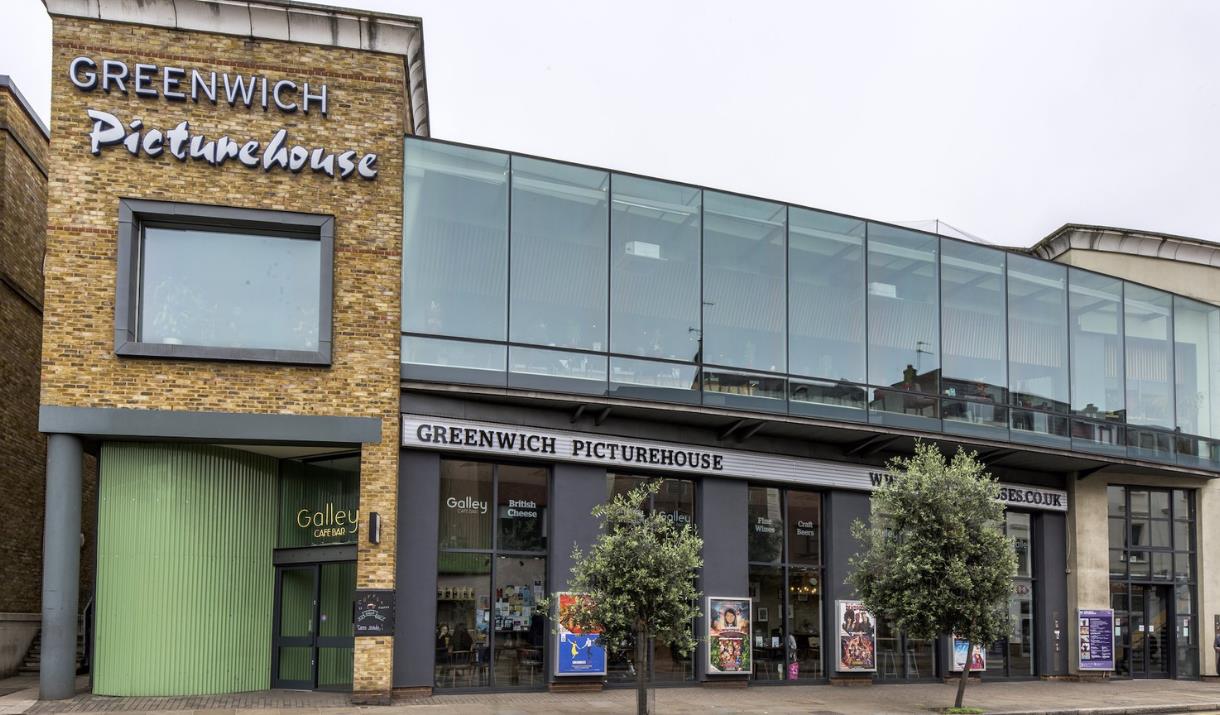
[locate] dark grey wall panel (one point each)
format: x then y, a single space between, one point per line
235 427
840 509
1050 600
723 521
575 490
419 493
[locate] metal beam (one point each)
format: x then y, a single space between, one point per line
602 416
751 431
870 446
728 431
576 415
1086 473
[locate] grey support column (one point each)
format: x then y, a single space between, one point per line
61 567
575 490
839 510
724 524
1050 594
419 495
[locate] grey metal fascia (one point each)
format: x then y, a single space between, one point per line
235 427
6 82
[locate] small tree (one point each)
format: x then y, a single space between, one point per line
934 559
639 582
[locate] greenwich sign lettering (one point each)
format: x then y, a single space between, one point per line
488 438
178 84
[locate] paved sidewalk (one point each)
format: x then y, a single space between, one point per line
1023 697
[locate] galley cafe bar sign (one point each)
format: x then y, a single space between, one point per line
181 142
488 438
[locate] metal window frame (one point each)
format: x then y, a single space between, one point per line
134 214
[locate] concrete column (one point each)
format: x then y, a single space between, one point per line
724 520
61 567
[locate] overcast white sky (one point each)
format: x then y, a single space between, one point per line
1005 119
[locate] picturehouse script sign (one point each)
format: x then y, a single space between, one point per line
238 91
489 438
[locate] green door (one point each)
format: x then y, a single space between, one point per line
312 643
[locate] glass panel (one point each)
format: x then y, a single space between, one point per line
560 217
767 588
1038 427
1140 503
318 501
1149 444
296 603
766 535
889 657
536 368
840 400
972 294
1021 640
743 390
335 667
676 501
1182 537
621 484
453 354
1137 561
804 626
826 295
1183 504
1139 532
1104 437
229 290
920 407
455 241
296 664
743 283
1187 647
337 594
1158 630
1097 351
670 666
1147 320
978 416
1118 563
1117 498
647 380
521 508
1162 565
1196 334
1160 533
921 658
1017 527
1182 569
465 520
1118 533
654 269
463 611
903 313
520 626
804 527
1037 334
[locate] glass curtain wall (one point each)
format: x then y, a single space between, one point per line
616 285
974 367
655 269
1014 656
826 315
903 327
1037 351
785 552
455 255
1196 335
1095 304
676 501
491 571
744 294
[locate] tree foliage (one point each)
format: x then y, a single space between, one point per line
639 578
934 560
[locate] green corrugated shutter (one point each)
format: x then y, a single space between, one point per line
185 581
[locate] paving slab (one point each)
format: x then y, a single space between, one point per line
1000 698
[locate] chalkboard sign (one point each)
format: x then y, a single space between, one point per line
373 612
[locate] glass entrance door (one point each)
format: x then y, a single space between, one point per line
312 641
1151 632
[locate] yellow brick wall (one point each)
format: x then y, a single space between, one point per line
368 103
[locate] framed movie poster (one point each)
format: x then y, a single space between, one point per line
961 647
728 635
857 638
577 651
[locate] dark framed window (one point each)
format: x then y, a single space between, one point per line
786 582
219 283
676 501
491 571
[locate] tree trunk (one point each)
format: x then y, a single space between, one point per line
641 667
961 684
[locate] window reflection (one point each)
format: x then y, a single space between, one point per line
455 241
744 283
558 255
1149 356
1037 336
1196 334
903 316
975 363
826 295
1095 305
654 269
